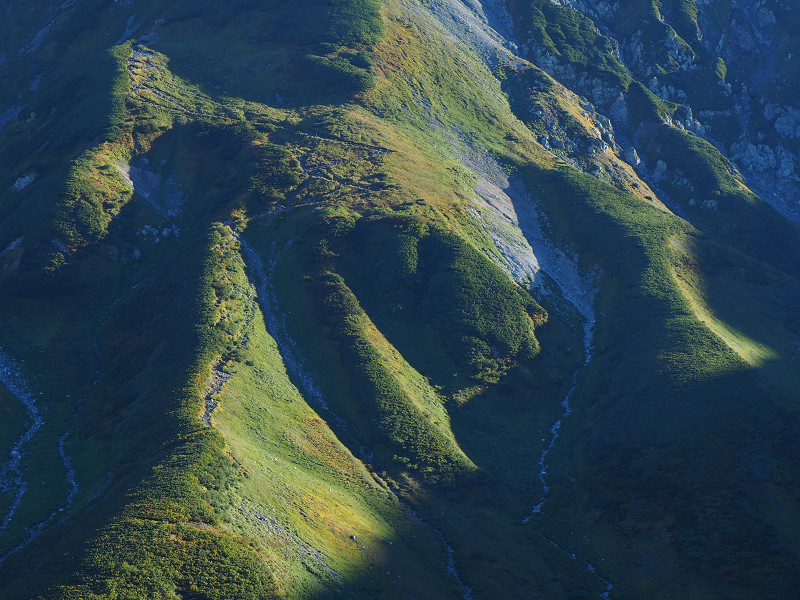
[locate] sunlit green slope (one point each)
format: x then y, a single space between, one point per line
356 299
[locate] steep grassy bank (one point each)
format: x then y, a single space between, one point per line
279 344
665 392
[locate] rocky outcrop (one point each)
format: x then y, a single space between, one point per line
729 52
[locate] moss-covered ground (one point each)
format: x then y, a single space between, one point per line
332 139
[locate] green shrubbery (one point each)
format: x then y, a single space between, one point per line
474 300
398 427
683 13
569 35
278 173
338 31
93 194
352 24
339 72
426 276
142 559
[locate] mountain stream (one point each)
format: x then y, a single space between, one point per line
275 322
11 474
509 217
11 479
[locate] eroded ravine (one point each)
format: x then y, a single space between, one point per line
11 479
562 279
511 219
578 290
11 476
275 321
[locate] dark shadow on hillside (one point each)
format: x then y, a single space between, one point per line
686 476
132 305
648 478
749 304
291 53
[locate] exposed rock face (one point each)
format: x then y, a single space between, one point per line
326 301
583 136
685 56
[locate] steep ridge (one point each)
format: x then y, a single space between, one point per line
771 220
349 289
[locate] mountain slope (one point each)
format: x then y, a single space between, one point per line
399 299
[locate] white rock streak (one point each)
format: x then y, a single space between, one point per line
11 474
275 322
11 480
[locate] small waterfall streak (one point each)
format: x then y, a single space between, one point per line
588 331
451 568
73 485
275 322
606 594
542 466
451 562
11 473
11 480
35 531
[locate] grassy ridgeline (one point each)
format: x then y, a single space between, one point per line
387 309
